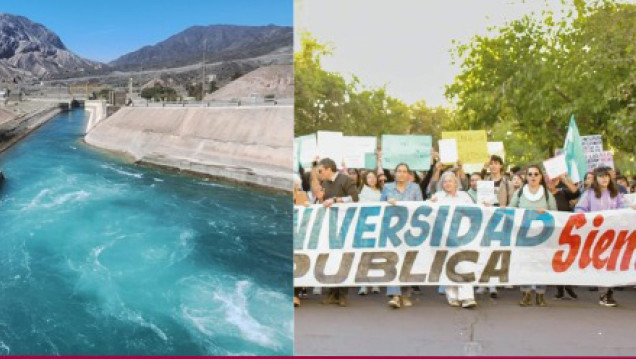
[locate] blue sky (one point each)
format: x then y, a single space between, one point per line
105 30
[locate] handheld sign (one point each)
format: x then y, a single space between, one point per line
356 149
330 146
486 192
413 150
307 149
556 166
472 146
448 151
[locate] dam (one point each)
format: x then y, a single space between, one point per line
101 256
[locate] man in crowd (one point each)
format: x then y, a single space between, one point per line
337 188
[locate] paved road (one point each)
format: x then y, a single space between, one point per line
496 327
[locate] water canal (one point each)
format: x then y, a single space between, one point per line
100 256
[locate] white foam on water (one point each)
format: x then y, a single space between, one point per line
4 348
136 318
184 247
47 199
210 299
122 172
157 179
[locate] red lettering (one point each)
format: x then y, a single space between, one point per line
574 241
601 246
586 258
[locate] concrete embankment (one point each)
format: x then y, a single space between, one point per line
251 145
14 126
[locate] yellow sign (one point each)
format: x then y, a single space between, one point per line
472 146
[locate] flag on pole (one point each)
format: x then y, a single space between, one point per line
574 155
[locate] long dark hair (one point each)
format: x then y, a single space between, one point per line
603 171
541 176
358 179
366 183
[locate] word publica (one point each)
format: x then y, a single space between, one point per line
399 267
413 225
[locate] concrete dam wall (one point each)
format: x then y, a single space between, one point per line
246 144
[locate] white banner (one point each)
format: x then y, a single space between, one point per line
421 243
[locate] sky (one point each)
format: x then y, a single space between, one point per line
105 30
404 44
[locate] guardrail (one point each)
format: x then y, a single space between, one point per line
212 103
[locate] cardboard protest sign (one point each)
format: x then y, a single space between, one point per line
330 146
356 149
472 146
414 150
556 166
448 151
592 144
599 159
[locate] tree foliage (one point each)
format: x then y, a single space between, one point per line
535 72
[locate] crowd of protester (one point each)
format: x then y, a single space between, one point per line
527 188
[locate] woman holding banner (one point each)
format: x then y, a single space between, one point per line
534 195
601 196
371 192
400 190
448 192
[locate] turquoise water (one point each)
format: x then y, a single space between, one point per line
100 256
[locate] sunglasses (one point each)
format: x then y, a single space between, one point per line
534 174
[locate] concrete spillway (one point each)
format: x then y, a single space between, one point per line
246 144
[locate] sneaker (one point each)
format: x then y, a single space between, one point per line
526 300
395 302
454 303
296 302
407 302
363 291
469 303
607 300
493 295
375 290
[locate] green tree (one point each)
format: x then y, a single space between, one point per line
534 73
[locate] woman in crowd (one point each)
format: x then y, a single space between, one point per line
602 195
394 192
371 192
472 191
534 195
449 192
503 187
517 181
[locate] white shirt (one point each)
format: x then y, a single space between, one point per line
460 197
369 195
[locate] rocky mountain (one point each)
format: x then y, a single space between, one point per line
29 50
220 42
274 80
